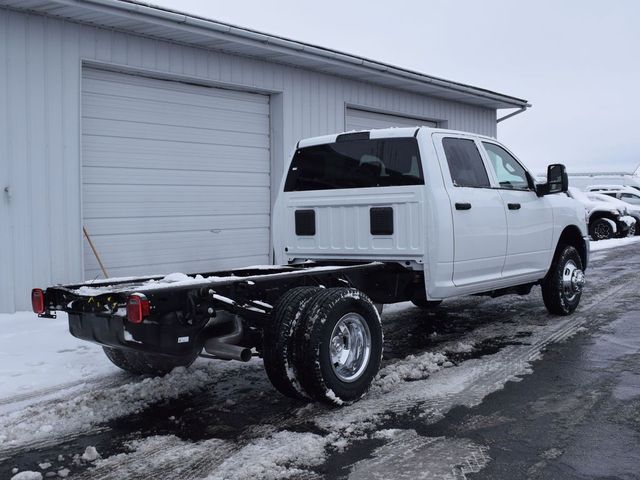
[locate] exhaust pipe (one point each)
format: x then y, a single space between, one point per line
226 346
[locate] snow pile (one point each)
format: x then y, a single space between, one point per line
27 475
276 455
155 456
413 367
87 409
281 455
90 454
613 243
461 347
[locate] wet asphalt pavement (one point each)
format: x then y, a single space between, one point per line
574 413
576 417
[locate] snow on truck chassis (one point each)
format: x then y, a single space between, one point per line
362 219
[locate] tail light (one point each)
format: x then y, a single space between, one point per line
138 308
37 301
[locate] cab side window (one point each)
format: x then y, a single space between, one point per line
465 163
509 172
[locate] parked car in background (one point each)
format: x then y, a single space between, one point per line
626 208
604 220
627 194
630 201
584 180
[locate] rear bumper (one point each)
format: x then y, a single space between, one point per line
113 331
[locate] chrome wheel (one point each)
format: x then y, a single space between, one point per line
572 280
350 347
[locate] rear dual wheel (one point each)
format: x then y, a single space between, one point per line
326 344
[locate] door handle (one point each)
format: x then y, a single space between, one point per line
463 206
514 206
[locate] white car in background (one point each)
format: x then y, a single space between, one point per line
627 194
632 209
606 217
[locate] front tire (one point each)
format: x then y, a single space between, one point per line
601 229
339 346
141 363
562 287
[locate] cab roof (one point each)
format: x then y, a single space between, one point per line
391 132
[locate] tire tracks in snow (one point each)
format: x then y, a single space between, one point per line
491 373
482 376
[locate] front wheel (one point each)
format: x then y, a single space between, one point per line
562 287
142 363
601 229
339 345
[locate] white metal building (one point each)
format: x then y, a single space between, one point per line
165 135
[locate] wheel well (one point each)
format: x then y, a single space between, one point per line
598 215
571 235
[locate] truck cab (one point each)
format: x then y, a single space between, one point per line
456 207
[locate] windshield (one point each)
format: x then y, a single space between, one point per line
356 164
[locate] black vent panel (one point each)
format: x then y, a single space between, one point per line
381 219
305 223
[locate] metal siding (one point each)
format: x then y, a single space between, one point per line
41 142
6 224
357 119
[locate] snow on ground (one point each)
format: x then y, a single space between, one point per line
37 354
27 475
613 243
409 456
84 410
281 455
427 380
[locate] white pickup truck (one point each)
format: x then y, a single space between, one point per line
458 209
362 219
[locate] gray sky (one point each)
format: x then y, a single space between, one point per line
577 62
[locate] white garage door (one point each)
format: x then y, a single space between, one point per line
175 176
364 120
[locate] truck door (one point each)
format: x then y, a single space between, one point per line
479 222
529 217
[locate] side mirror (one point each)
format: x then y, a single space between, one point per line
557 180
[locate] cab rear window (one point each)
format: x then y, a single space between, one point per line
363 163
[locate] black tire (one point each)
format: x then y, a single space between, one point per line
601 229
142 363
557 300
633 230
317 374
426 304
277 347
